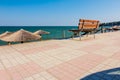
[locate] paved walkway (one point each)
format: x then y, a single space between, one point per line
89 59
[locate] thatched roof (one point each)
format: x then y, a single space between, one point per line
21 35
39 32
5 34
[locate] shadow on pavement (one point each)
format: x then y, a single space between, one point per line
111 74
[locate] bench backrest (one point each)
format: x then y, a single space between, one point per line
88 24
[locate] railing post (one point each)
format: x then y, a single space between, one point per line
80 35
102 31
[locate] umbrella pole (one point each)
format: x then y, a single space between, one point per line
9 43
41 37
22 42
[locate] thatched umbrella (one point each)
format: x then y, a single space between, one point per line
40 32
21 36
5 34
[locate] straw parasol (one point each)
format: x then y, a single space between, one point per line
21 36
5 34
40 32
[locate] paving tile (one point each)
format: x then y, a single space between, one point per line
48 76
40 49
116 55
14 74
93 47
24 70
4 75
32 68
66 72
87 61
28 78
6 63
1 66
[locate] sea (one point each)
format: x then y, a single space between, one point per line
56 32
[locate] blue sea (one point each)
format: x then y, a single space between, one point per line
56 32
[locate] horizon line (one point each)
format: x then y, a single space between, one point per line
33 25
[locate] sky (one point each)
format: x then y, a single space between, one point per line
56 12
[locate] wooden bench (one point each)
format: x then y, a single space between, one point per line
87 26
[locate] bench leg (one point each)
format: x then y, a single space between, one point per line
87 34
94 34
80 35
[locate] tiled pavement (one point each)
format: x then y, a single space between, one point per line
63 59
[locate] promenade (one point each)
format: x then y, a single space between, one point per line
63 59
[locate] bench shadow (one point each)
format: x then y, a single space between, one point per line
111 74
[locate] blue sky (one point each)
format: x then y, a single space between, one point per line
57 12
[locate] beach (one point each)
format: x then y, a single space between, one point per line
66 59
